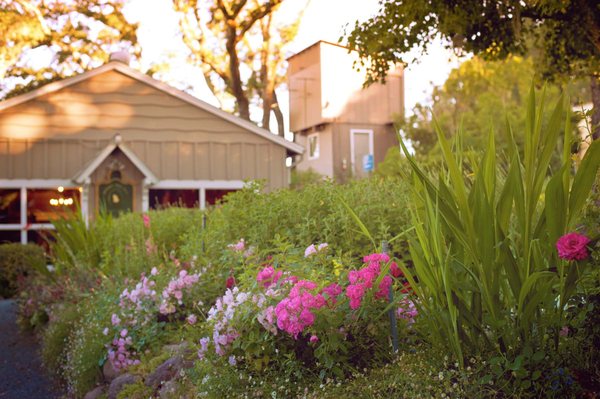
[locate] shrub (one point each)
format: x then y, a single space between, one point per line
17 261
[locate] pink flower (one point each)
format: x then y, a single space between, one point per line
146 219
314 338
310 250
268 276
239 246
564 331
192 319
154 271
573 246
115 320
230 282
105 331
395 270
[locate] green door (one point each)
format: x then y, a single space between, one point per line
116 198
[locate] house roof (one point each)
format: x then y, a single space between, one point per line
86 172
134 74
317 43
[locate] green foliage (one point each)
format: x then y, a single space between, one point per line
118 246
489 278
16 262
301 179
314 214
492 30
478 96
29 25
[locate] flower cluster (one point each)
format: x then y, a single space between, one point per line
311 249
294 312
407 311
573 246
268 276
119 354
175 289
362 280
142 292
221 315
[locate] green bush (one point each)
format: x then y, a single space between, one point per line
313 214
17 261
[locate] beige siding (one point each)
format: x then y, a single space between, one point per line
324 164
384 137
304 80
326 87
57 134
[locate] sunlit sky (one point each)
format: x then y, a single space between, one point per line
323 20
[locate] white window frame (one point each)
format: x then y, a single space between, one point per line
317 148
371 144
23 185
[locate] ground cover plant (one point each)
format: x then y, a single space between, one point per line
491 275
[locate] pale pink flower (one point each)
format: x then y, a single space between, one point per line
192 319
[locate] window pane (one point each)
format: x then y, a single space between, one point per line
9 236
183 198
45 205
213 196
313 146
10 206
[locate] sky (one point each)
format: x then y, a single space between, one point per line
323 20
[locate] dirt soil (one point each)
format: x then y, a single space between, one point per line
21 372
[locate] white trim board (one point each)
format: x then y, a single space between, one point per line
198 184
85 174
37 183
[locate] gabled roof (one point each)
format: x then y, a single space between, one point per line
83 175
132 73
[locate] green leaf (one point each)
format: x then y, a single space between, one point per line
583 181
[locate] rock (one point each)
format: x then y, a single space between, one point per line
96 392
109 372
119 383
176 349
167 371
168 390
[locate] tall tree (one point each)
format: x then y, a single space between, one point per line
240 48
566 31
80 34
472 97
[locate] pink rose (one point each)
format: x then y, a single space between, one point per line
573 246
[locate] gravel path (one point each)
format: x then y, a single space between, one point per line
21 375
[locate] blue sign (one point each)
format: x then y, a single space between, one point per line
368 162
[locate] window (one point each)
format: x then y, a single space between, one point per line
45 205
214 196
160 199
313 146
10 206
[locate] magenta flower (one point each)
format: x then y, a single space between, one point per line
314 338
146 219
573 246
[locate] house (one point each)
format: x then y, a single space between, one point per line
115 139
344 127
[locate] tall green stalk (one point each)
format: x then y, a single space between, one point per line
486 269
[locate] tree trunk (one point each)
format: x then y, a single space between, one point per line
595 86
237 89
278 116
